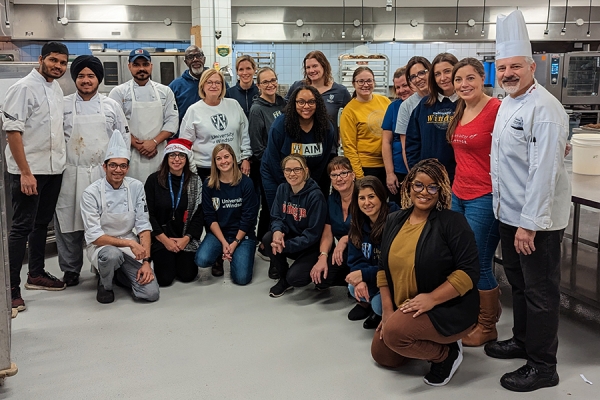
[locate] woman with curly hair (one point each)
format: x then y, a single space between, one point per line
427 278
304 129
360 126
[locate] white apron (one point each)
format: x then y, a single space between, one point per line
118 225
146 123
85 154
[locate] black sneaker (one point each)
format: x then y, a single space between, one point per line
372 321
280 288
217 268
505 349
104 296
359 312
262 253
441 373
71 278
273 273
528 379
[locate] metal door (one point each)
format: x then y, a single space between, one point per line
582 83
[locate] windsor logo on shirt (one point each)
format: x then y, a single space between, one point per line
219 121
307 149
216 203
292 209
331 98
441 118
369 251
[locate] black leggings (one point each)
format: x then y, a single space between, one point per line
169 265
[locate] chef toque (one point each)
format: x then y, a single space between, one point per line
117 147
512 39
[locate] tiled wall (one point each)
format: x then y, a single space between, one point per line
289 56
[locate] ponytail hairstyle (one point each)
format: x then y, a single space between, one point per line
359 218
460 104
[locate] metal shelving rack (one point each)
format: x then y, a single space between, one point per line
379 64
262 58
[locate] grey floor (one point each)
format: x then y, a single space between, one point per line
210 340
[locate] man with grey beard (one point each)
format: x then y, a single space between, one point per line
186 86
531 199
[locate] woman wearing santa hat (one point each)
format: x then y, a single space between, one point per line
174 194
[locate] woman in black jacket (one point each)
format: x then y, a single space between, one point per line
174 194
428 272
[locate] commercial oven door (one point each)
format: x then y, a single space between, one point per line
164 68
549 72
582 83
112 70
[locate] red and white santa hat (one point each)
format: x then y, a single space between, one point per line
179 145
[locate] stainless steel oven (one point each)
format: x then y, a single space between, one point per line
573 78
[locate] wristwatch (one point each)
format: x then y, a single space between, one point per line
147 259
238 241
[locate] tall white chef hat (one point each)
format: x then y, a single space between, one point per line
512 39
117 147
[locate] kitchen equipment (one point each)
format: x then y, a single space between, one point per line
379 64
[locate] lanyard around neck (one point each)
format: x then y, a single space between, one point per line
174 205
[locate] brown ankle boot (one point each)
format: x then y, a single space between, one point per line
485 330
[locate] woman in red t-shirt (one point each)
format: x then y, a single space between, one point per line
470 134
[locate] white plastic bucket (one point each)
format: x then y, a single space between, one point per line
586 153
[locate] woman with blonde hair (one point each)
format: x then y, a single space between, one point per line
244 91
297 220
230 207
214 120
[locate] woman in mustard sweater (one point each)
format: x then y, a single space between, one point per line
360 126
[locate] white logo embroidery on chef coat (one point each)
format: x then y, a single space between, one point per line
219 121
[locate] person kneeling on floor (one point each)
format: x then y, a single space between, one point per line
112 208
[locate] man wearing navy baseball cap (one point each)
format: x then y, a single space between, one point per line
151 111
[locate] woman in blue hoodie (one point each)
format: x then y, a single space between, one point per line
244 91
297 219
305 129
369 210
426 131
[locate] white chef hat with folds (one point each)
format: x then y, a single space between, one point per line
117 147
512 39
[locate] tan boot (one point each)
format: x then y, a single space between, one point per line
485 330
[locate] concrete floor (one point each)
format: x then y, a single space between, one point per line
210 340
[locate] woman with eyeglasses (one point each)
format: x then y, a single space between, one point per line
427 277
244 91
331 267
426 132
416 74
297 218
214 120
304 129
173 196
369 209
268 106
230 207
470 134
360 126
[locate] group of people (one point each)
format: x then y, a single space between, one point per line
408 219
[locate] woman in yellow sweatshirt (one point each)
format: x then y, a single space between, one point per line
360 126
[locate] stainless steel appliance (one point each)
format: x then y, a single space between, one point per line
165 67
573 78
379 64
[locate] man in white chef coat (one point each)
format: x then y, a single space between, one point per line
35 156
152 114
531 198
117 228
89 121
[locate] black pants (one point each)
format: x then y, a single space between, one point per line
31 216
169 265
298 274
264 215
377 172
535 281
396 197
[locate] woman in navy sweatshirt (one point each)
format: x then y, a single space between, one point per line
297 219
369 209
230 208
244 91
426 131
305 129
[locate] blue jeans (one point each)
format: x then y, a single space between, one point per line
242 263
375 300
480 216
